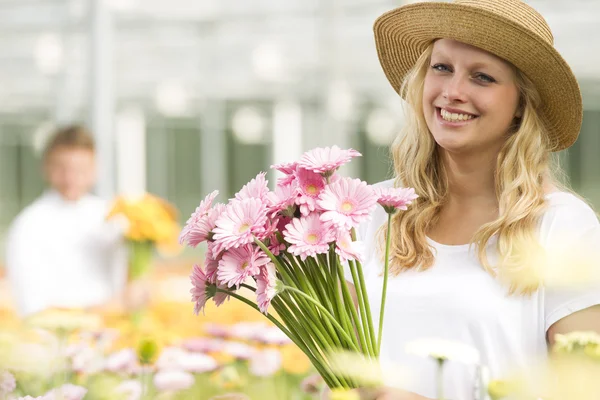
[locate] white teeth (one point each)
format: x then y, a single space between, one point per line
453 117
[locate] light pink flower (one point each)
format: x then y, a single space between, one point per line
288 169
283 200
202 230
8 383
392 199
347 203
220 297
217 330
255 189
275 246
35 398
346 248
238 264
88 360
201 290
169 358
211 263
239 350
308 236
67 392
125 361
273 335
132 389
203 345
246 330
312 384
265 363
200 212
241 220
266 287
197 363
326 160
173 381
310 186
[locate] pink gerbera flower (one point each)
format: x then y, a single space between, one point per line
199 213
201 290
239 222
310 186
288 169
257 188
393 199
326 160
346 248
266 287
308 236
202 230
347 202
283 199
211 262
239 264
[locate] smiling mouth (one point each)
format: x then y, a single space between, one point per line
454 118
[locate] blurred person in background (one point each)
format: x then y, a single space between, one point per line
61 251
490 99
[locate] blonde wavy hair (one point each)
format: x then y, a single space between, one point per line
523 167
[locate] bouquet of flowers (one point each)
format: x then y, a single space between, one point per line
152 223
292 248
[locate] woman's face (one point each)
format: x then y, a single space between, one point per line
470 98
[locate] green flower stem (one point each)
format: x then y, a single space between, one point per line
140 258
440 378
307 340
305 285
327 314
314 304
338 281
363 307
328 376
311 321
386 269
315 321
308 329
278 264
366 349
363 288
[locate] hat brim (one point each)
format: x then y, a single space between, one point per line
403 34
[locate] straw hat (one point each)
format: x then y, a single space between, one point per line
509 29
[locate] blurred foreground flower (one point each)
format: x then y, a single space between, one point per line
586 343
443 350
64 320
7 383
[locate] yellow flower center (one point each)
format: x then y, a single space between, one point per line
244 228
244 265
347 206
312 238
311 189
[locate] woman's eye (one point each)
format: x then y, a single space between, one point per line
440 67
485 78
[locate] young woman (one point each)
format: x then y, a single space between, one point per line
489 100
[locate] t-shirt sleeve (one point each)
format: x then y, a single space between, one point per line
570 233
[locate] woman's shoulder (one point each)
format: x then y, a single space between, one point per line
567 214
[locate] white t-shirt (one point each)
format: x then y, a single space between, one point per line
456 300
64 254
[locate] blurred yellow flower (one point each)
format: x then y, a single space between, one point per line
343 394
151 219
294 361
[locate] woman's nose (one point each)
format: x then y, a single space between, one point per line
455 89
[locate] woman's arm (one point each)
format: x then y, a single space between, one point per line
584 320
